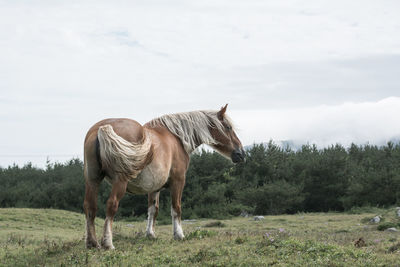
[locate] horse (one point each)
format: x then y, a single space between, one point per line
144 159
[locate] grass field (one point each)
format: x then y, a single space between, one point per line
31 237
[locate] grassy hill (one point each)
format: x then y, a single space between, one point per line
39 237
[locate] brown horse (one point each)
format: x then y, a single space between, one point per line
144 159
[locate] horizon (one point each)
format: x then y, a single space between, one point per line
283 144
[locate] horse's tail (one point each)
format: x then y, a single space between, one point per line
120 156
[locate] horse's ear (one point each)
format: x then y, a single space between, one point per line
222 112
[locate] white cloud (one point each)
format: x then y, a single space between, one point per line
373 122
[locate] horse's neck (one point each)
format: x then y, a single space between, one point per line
161 128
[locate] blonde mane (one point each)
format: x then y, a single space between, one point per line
192 127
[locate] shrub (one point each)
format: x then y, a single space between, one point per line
386 225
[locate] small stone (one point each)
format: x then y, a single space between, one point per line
258 218
129 225
392 229
376 219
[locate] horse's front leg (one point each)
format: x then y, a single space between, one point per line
153 203
176 188
117 192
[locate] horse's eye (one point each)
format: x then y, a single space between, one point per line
228 127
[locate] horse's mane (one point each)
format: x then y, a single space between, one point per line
192 127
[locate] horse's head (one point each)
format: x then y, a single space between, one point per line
228 144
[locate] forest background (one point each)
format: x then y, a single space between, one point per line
273 180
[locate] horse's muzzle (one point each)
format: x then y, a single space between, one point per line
238 155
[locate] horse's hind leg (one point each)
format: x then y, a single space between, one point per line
117 192
93 178
90 207
153 203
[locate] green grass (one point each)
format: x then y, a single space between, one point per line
31 237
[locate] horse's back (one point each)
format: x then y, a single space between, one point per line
128 129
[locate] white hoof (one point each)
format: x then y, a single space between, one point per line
179 236
107 245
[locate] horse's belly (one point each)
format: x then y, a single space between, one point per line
151 179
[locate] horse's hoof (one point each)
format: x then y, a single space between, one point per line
151 236
178 237
107 245
92 244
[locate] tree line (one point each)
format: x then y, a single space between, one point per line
273 180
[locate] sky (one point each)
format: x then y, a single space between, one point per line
314 71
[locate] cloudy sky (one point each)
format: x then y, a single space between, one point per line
313 71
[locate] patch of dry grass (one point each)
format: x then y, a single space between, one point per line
30 237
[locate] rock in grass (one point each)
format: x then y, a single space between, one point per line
258 218
392 229
376 219
398 211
